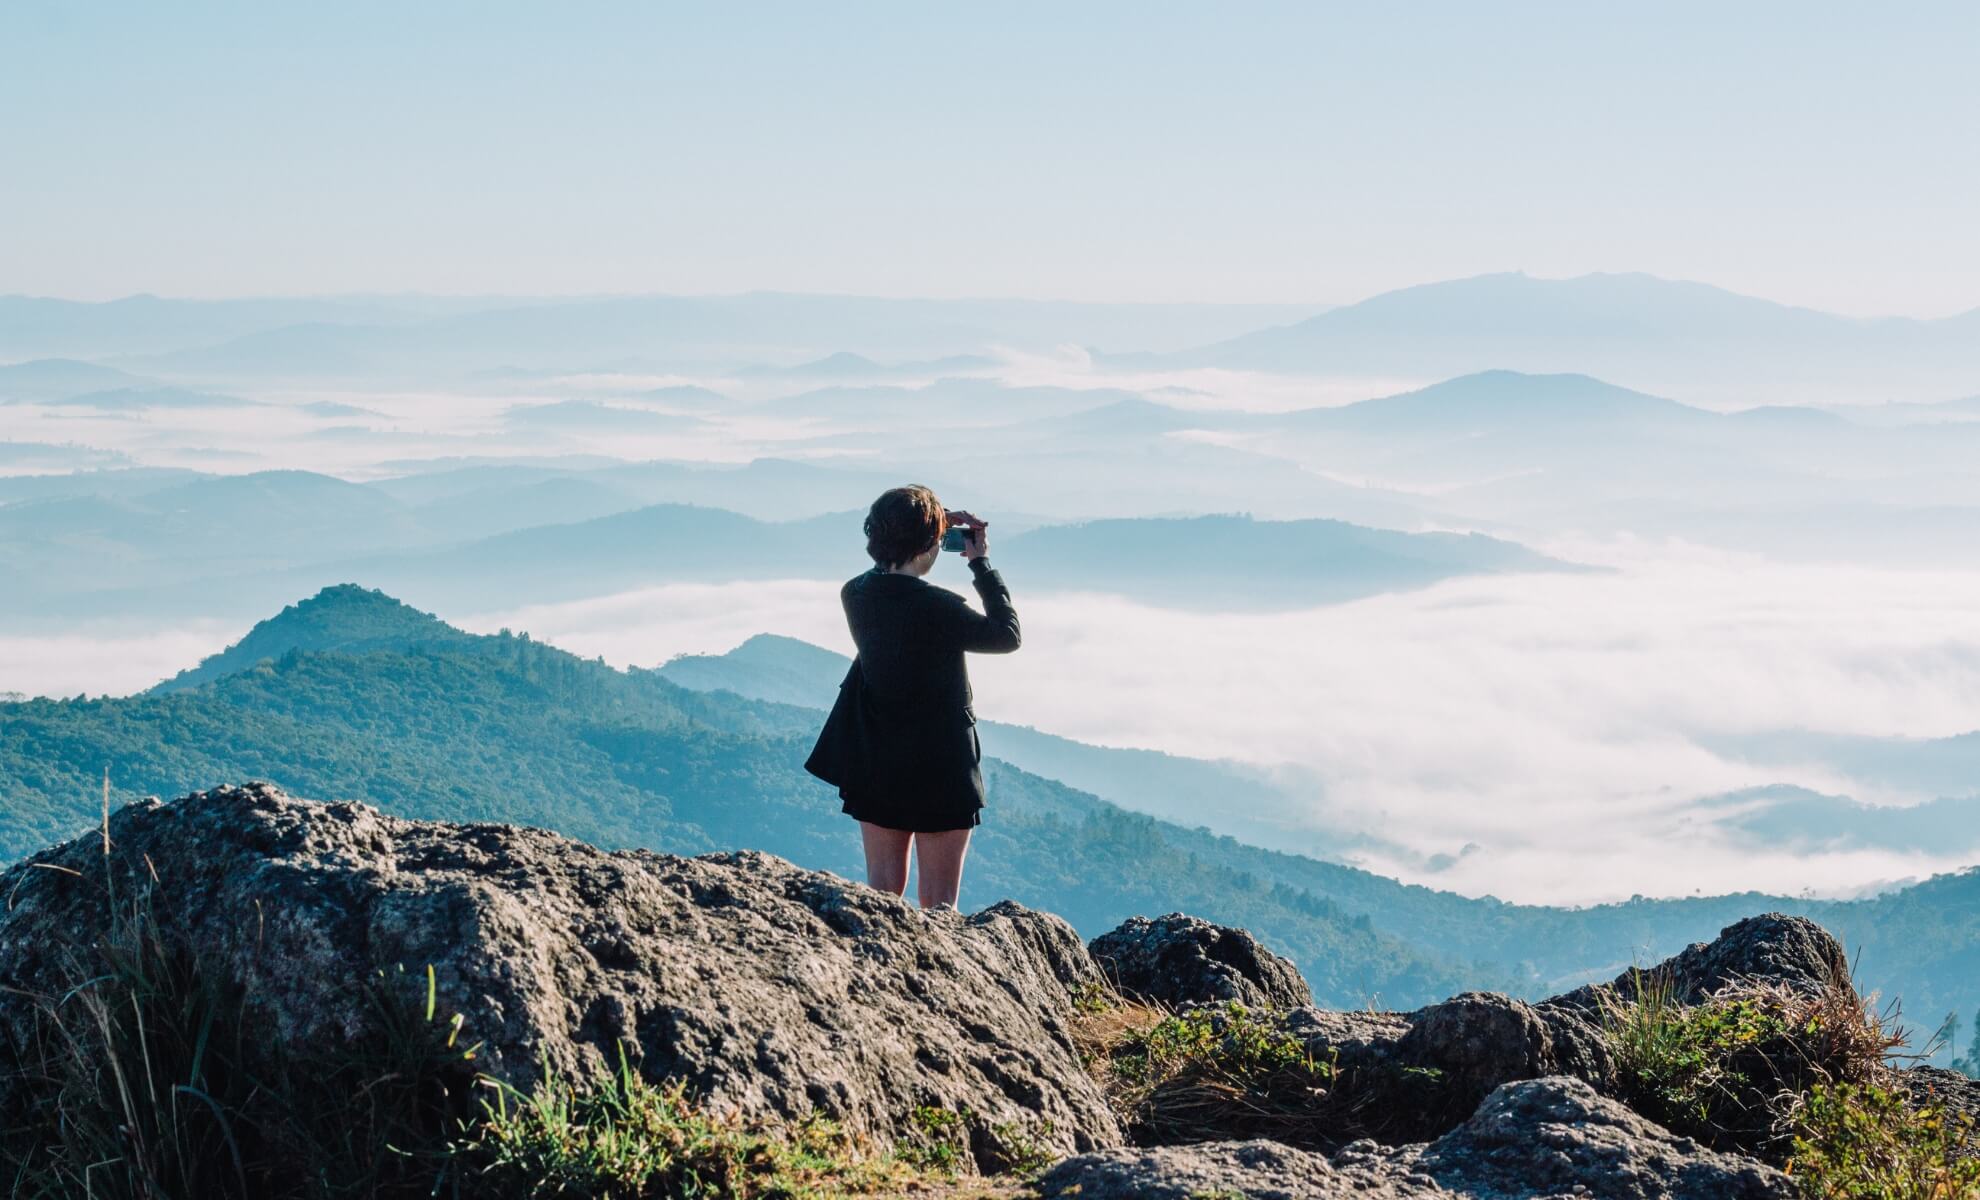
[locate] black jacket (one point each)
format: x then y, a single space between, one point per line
900 743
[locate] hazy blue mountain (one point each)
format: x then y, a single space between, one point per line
312 350
679 331
50 456
1570 451
1923 767
848 366
276 533
35 326
768 489
767 666
1809 822
1688 339
1499 400
1963 408
659 543
99 553
1126 416
132 399
1235 562
590 416
107 482
499 505
686 396
949 403
1248 803
52 378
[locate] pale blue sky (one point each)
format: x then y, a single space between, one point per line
1820 154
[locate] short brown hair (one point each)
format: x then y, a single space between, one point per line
903 523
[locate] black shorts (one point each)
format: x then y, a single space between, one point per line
922 818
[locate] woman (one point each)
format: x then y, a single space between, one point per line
900 743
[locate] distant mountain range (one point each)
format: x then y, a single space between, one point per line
450 543
351 694
1696 342
1691 340
291 338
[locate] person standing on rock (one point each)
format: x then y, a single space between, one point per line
900 742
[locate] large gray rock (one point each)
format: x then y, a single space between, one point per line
1772 947
1178 960
771 990
1557 1137
1407 1077
1543 1138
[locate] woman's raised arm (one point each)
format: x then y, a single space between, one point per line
992 631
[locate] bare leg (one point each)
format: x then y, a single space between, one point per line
886 856
938 860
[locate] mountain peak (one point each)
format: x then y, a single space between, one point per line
343 616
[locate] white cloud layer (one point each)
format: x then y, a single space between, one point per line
1547 719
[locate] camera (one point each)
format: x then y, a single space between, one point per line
956 539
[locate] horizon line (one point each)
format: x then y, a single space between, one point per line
1316 306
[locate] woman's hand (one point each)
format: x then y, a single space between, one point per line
979 532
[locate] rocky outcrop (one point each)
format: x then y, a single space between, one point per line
1414 1076
773 991
776 992
1794 951
1177 960
1551 1137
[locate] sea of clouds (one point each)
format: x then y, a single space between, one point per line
1540 730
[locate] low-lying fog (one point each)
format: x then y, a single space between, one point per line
1540 730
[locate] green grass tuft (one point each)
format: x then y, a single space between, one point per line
630 1139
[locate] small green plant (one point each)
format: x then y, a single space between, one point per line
1864 1142
939 1140
1021 1149
1682 1064
1093 996
1224 1068
628 1139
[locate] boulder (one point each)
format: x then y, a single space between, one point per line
1475 1042
1406 1077
772 991
1540 1138
1771 947
1558 1137
1177 960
